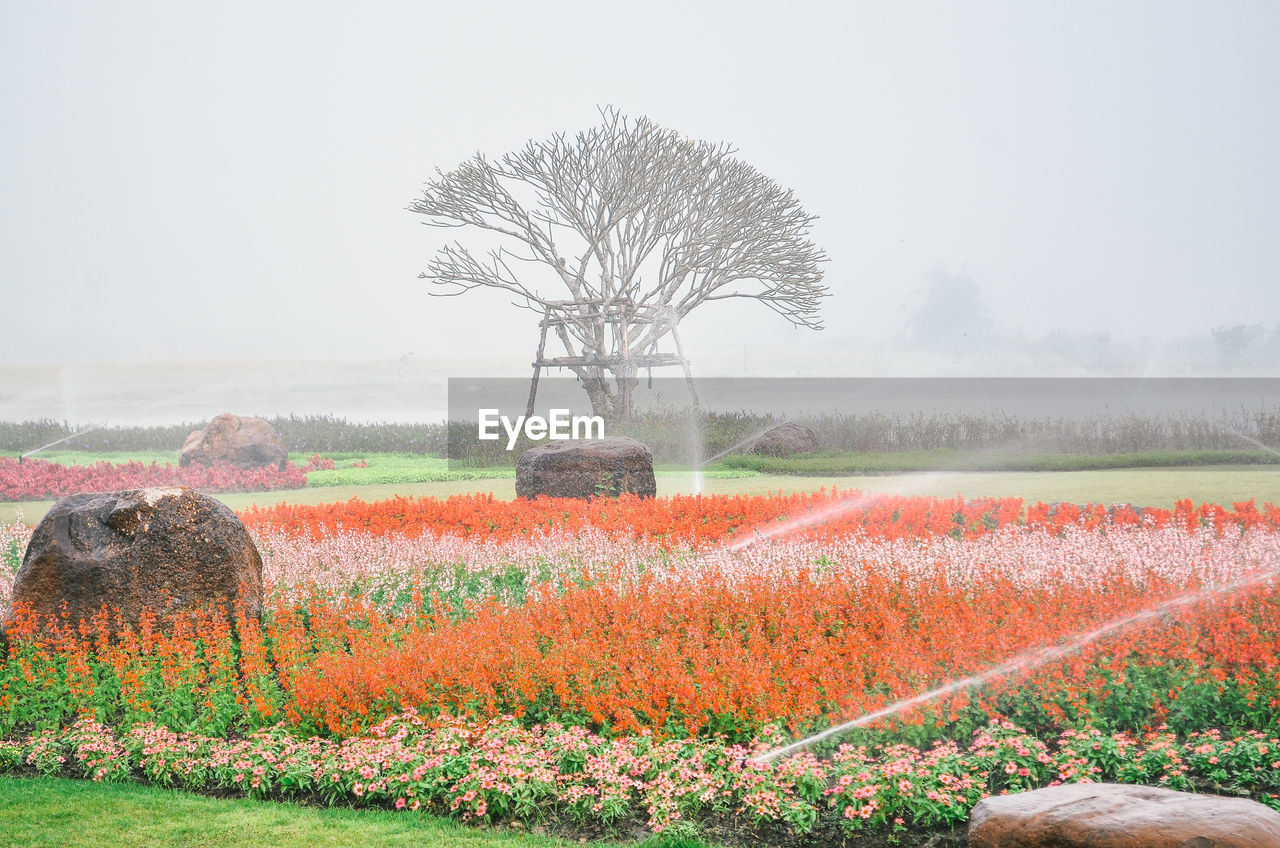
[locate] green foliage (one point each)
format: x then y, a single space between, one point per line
673 435
385 468
714 473
20 437
116 457
450 589
834 463
690 437
329 434
12 553
45 688
306 434
350 468
36 694
877 432
681 834
1246 764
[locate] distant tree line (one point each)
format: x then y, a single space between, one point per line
301 434
668 434
952 320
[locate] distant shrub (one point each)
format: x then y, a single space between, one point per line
693 436
308 434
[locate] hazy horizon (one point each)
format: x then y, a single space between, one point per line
1084 187
414 389
193 182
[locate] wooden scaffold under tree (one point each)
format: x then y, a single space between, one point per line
623 341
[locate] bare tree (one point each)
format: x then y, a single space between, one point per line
638 226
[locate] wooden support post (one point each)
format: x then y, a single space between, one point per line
684 364
626 367
624 363
537 363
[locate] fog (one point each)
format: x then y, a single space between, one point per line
208 202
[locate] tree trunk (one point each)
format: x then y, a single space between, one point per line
603 400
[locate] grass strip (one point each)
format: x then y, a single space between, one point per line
388 468
60 813
373 469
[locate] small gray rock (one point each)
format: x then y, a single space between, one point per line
787 439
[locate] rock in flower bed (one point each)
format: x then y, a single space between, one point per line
163 550
1114 815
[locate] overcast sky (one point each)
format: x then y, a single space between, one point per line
194 180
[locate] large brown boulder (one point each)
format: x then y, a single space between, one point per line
163 549
1108 815
786 440
242 442
586 468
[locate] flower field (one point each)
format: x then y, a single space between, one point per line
36 479
623 663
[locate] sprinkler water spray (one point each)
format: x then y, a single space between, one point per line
1251 440
58 442
750 439
1027 660
822 516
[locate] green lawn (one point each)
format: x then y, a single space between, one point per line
903 462
70 457
380 468
59 813
1139 486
